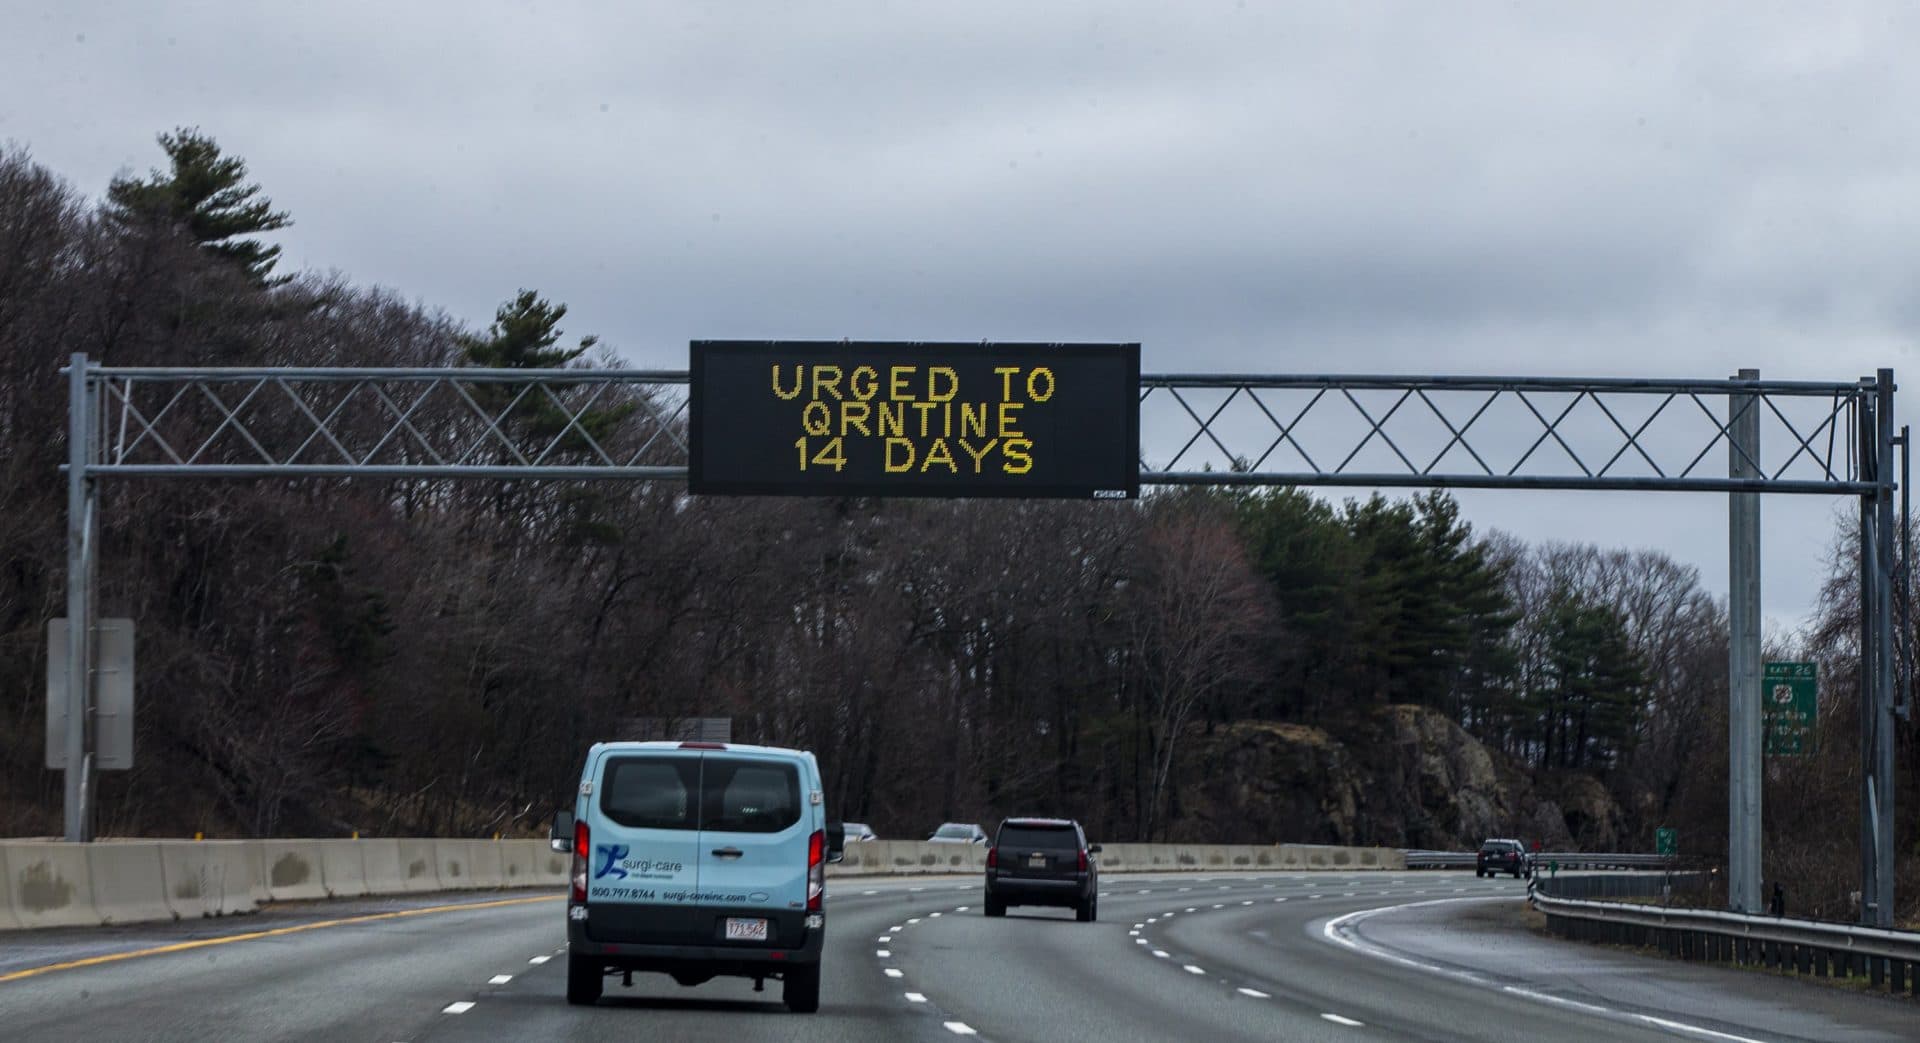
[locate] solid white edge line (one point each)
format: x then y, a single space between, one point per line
458 1008
1335 932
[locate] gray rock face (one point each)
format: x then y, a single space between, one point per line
1407 777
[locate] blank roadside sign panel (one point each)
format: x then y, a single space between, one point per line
833 418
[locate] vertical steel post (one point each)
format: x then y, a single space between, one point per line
80 549
1743 667
1876 696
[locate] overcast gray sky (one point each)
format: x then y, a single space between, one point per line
1606 189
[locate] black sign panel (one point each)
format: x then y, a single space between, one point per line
828 418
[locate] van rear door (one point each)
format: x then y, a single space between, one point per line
643 877
756 824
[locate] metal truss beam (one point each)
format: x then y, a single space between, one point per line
1196 429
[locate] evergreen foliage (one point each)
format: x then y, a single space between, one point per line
205 197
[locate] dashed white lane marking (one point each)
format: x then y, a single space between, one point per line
1335 931
1141 924
895 929
933 914
1255 993
1141 941
884 939
869 892
916 889
915 997
1190 908
1316 896
1219 905
895 972
960 1028
1247 902
1349 894
1338 1020
883 953
963 909
1143 892
1191 969
914 920
538 960
1226 887
500 979
1160 953
1133 934
458 1008
1185 890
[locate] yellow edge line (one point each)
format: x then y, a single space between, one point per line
274 933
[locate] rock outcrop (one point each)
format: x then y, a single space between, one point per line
1405 777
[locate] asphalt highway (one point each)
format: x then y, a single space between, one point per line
1253 956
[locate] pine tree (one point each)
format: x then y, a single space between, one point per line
204 197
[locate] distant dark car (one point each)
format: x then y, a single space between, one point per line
1043 861
1503 856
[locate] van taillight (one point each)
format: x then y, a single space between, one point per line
816 870
1083 860
582 840
993 857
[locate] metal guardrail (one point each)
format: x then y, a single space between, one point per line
1565 859
1886 958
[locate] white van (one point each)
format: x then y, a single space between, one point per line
698 859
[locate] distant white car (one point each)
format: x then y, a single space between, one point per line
859 831
958 833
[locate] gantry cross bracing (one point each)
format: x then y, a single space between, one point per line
1441 431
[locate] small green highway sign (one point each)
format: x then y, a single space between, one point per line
1789 697
1666 841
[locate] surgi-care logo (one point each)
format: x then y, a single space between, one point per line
615 863
611 855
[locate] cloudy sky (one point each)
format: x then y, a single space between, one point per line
1605 189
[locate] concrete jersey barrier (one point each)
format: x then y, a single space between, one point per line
207 878
49 885
65 885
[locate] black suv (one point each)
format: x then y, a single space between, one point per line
1043 861
1503 856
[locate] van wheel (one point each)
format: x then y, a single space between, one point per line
584 980
996 907
801 990
1084 911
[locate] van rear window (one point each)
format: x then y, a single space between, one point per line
730 794
652 792
747 796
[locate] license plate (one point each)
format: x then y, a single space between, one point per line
745 930
1037 861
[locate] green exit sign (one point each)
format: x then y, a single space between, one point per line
1666 841
1789 699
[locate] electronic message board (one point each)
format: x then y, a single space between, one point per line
832 418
